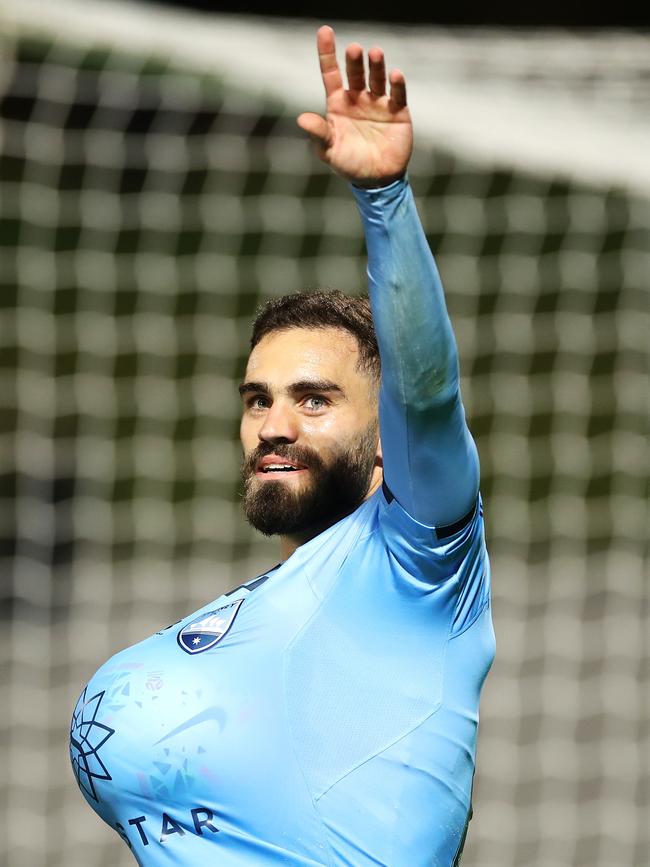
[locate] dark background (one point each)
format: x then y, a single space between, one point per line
572 13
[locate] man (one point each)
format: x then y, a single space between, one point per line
324 713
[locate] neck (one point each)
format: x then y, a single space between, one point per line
289 544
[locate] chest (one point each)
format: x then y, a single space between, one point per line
258 703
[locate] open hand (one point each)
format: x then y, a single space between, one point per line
366 135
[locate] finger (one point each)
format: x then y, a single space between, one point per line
377 67
354 67
316 126
329 67
397 89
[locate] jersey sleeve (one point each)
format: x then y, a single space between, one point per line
430 461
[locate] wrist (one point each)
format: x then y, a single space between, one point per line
376 183
383 193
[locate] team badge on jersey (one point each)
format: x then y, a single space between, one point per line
209 629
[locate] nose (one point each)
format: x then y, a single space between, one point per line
280 424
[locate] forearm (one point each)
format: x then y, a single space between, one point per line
430 461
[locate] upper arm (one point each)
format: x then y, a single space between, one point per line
430 460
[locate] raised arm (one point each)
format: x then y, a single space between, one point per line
430 461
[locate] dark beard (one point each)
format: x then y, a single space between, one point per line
334 490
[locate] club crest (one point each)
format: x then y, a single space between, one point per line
209 629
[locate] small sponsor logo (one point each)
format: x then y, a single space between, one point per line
154 680
209 629
202 818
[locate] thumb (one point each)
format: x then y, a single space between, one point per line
316 126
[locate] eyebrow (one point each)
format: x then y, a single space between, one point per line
296 388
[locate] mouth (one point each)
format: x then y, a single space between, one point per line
273 466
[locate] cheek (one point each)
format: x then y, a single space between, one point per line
332 432
340 424
325 427
247 436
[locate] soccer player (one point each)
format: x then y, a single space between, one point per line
324 713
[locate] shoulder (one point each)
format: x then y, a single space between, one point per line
434 552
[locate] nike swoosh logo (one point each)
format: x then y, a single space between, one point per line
210 714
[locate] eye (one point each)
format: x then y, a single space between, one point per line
315 402
258 401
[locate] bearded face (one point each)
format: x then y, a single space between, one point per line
309 432
327 489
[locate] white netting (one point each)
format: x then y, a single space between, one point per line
146 208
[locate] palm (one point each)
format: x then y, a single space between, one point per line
366 135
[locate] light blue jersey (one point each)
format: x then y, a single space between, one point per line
324 713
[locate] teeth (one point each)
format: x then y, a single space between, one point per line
278 468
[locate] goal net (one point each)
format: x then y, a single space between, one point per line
154 188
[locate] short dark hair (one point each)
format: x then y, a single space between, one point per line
322 309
